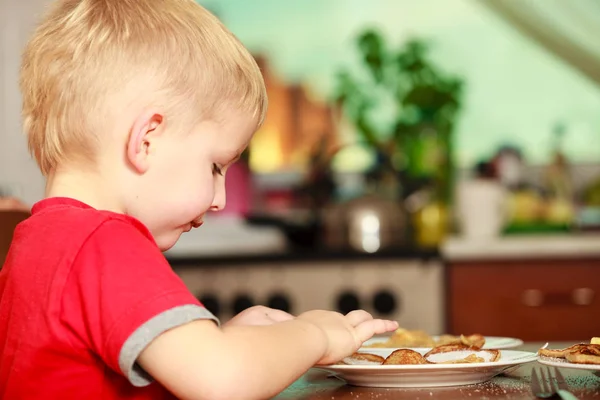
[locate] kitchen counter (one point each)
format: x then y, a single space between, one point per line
232 241
523 247
302 256
227 236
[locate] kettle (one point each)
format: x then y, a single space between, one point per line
366 224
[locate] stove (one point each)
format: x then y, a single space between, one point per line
409 291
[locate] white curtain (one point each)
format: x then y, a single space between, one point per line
568 28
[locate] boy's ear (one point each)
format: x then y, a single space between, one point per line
141 138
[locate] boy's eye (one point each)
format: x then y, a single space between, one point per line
217 170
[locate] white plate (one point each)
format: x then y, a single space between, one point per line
491 342
562 363
427 375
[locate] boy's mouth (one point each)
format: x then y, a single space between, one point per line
196 223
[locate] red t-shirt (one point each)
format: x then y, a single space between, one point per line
82 292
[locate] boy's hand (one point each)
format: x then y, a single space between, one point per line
346 333
259 315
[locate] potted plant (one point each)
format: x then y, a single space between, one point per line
414 154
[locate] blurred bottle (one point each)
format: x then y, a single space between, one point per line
481 203
508 167
558 183
589 214
429 217
524 204
431 224
431 171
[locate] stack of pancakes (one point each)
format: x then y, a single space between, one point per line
412 357
581 353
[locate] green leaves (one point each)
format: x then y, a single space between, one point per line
423 99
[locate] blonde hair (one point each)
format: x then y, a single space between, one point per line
86 52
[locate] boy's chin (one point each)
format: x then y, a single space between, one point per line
167 241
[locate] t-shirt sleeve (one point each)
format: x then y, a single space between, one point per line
121 294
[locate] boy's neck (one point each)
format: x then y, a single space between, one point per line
86 187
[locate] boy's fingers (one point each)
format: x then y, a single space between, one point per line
390 326
357 317
367 329
279 316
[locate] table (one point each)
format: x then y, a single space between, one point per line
516 385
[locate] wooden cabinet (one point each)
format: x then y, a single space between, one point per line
8 222
535 300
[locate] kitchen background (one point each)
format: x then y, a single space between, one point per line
436 162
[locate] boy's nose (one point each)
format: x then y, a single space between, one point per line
219 200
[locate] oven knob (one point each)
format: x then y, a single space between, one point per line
279 301
242 302
211 303
384 302
347 301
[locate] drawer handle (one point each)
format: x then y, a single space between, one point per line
583 296
578 297
532 298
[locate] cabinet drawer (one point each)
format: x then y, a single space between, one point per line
534 300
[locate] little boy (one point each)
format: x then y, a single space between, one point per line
134 110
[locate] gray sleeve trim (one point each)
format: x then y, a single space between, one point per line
149 331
